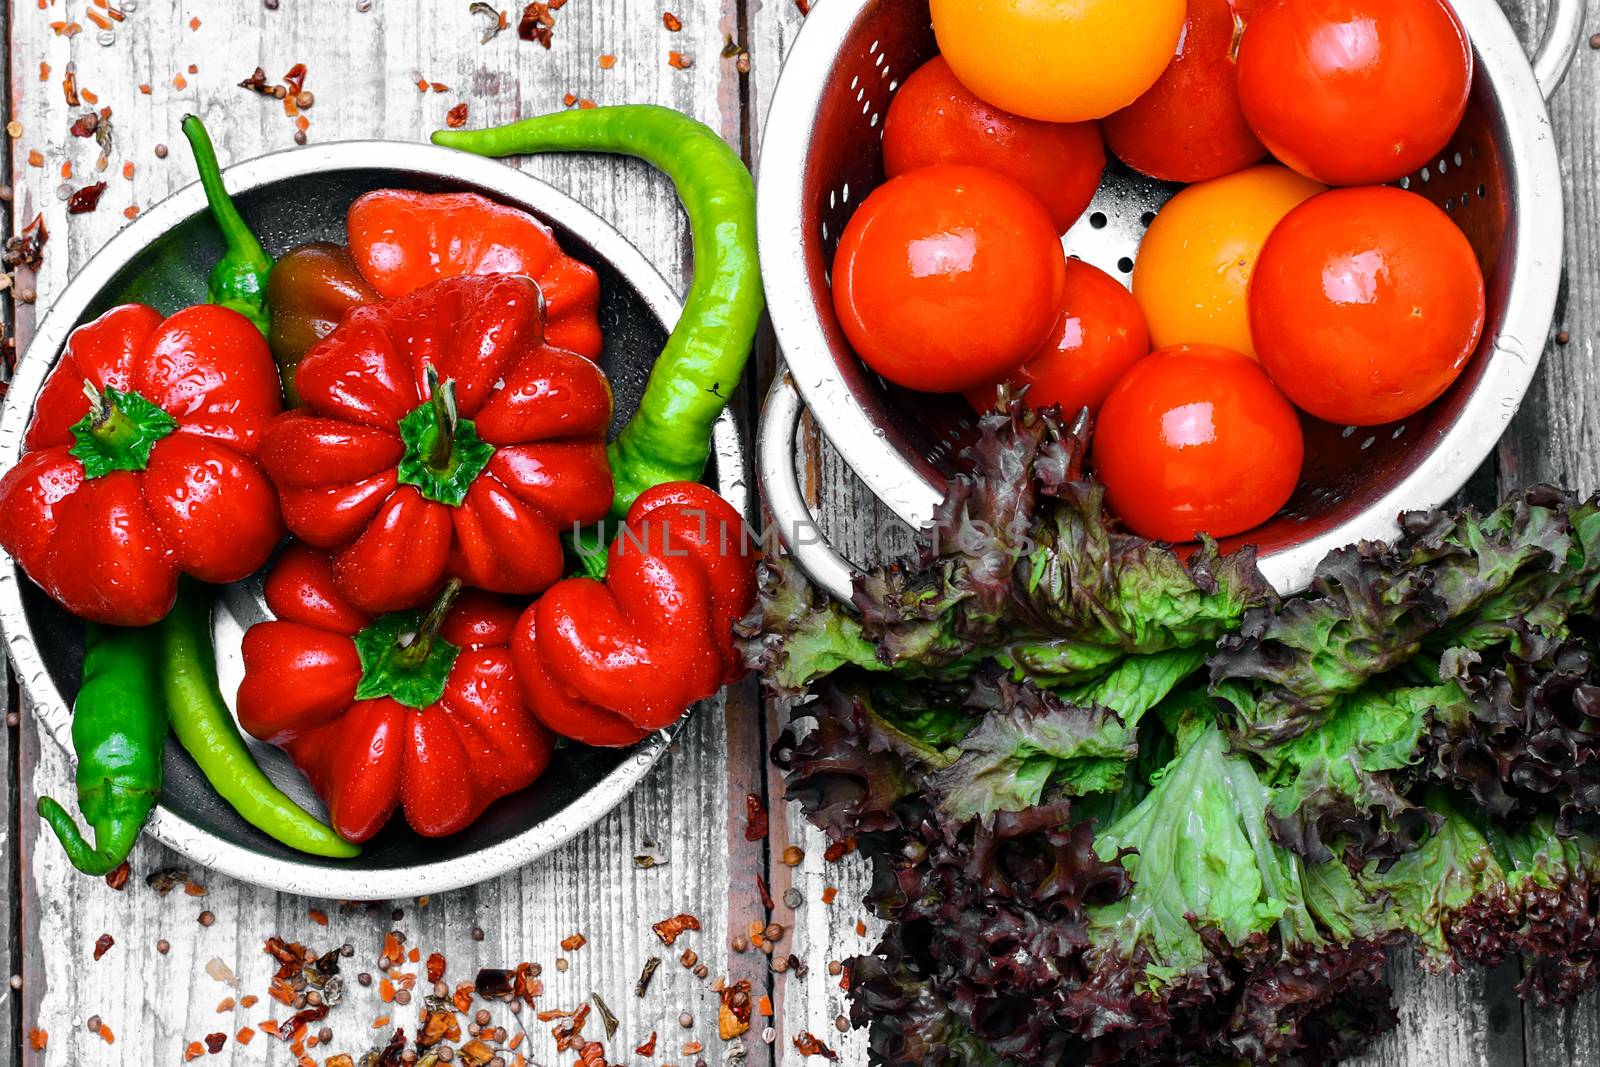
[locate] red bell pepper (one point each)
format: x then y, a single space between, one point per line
404 710
412 480
403 240
607 662
141 463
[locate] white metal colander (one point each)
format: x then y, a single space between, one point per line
822 153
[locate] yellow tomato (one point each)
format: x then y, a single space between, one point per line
1192 277
1058 60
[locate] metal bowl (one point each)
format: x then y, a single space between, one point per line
163 259
822 155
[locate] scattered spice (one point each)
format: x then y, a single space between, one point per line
127 172
764 893
808 1045
642 986
163 947
435 966
793 856
733 1012
118 879
205 918
496 20
668 930
161 151
672 22
607 62
214 1042
82 202
573 943
755 813
680 60
317 916
193 1051
106 1035
793 898
606 1016
245 1035
804 7
34 158
1563 338
838 850
14 129
456 117
194 24
537 23
37 1039
829 893
103 943
649 1047
693 1048
764 1006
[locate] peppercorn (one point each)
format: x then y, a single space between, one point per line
793 856
162 946
685 1020
206 918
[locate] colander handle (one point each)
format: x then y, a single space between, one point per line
1560 45
775 462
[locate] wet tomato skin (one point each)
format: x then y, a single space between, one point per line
1366 304
1058 60
936 119
1098 334
1196 439
946 277
1189 126
1355 92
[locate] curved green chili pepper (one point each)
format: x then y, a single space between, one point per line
669 437
239 280
207 731
119 725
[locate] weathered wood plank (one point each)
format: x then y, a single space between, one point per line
362 68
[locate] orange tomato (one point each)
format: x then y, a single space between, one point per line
1188 126
946 277
936 119
1058 60
1192 277
1366 304
1355 92
1195 439
1098 335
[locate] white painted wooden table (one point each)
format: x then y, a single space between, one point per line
363 66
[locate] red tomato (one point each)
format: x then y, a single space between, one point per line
1195 439
1355 92
1099 333
946 277
1365 304
1188 126
936 119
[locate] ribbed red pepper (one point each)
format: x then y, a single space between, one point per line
475 479
435 725
157 475
608 662
403 240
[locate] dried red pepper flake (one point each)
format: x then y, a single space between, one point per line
669 929
131 211
193 1051
680 60
69 85
318 916
672 22
573 943
180 82
585 104
649 1047
755 818
829 893
764 893
808 1045
194 23
214 1042
804 6
733 1011
607 62
106 1035
456 117
435 966
103 943
569 99
98 19
245 1035
295 79
118 879
44 71
839 849
82 202
37 1039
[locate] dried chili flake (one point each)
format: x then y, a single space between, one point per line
669 929
82 202
569 1031
808 1045
103 943
224 1005
672 22
764 893
838 850
131 211
341 1060
592 1054
193 1051
475 1053
313 1013
295 79
214 1042
106 1035
584 104
69 85
804 6
829 893
380 1022
755 813
118 879
245 1035
496 23
180 82
764 1006
66 168
537 23
569 99
281 991
456 117
573 943
127 172
649 1047
606 1017
435 967
317 916
733 1010
680 60
607 62
439 87
37 1039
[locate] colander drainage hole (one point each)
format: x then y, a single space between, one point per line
1147 218
1125 265
1483 192
1098 220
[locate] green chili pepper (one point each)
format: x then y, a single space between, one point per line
669 437
119 725
239 280
207 731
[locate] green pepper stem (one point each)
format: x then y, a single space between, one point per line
412 650
239 280
114 837
108 422
446 417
